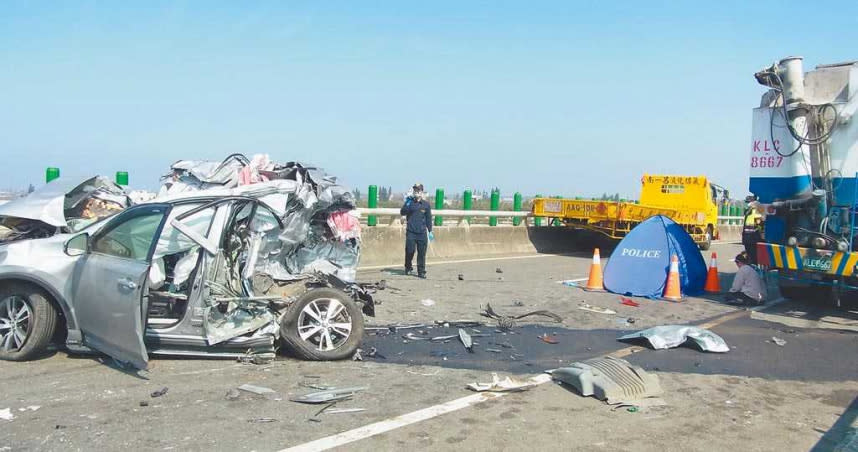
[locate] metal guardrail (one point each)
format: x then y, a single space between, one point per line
462 216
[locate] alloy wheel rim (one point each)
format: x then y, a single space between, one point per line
15 322
325 323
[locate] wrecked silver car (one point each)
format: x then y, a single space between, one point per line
218 272
60 206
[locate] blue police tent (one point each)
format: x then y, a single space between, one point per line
640 263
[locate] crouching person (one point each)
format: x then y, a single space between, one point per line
748 288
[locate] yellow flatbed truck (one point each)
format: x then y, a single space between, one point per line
690 201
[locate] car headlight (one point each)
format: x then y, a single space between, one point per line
842 246
792 241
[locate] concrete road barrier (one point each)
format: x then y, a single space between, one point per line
385 245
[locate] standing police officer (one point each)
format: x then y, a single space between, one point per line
752 229
419 223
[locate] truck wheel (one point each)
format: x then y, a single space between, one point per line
707 242
323 325
27 322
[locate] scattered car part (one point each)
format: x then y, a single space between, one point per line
466 340
548 339
345 410
610 379
458 323
6 414
262 420
258 390
669 336
507 384
332 395
597 309
778 341
414 337
629 302
508 321
160 392
427 302
498 270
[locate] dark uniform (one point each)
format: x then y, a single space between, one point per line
419 222
752 233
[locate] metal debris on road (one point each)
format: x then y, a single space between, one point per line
466 340
230 395
258 390
443 338
414 337
6 414
548 339
345 410
250 357
610 379
461 277
459 323
778 341
427 302
331 395
144 403
669 336
596 309
160 392
508 384
357 356
262 420
498 270
508 321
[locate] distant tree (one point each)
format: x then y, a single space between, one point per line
356 193
31 188
389 193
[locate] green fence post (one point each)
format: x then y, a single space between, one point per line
467 202
537 221
516 206
372 203
495 205
122 178
439 204
51 173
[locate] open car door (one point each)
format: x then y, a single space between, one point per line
110 280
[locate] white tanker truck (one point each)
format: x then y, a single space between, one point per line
804 167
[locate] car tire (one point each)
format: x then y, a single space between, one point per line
299 318
39 325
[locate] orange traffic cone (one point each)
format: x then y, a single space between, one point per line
671 290
713 285
595 283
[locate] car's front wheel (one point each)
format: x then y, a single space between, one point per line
27 321
323 325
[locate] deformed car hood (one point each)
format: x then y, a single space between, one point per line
49 202
45 204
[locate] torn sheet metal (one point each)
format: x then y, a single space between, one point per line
611 379
466 340
669 336
507 384
508 321
331 395
61 206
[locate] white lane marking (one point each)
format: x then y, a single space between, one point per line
387 425
463 261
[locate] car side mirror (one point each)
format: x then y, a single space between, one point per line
77 245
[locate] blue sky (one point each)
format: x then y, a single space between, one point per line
574 98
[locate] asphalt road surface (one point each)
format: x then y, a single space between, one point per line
758 396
